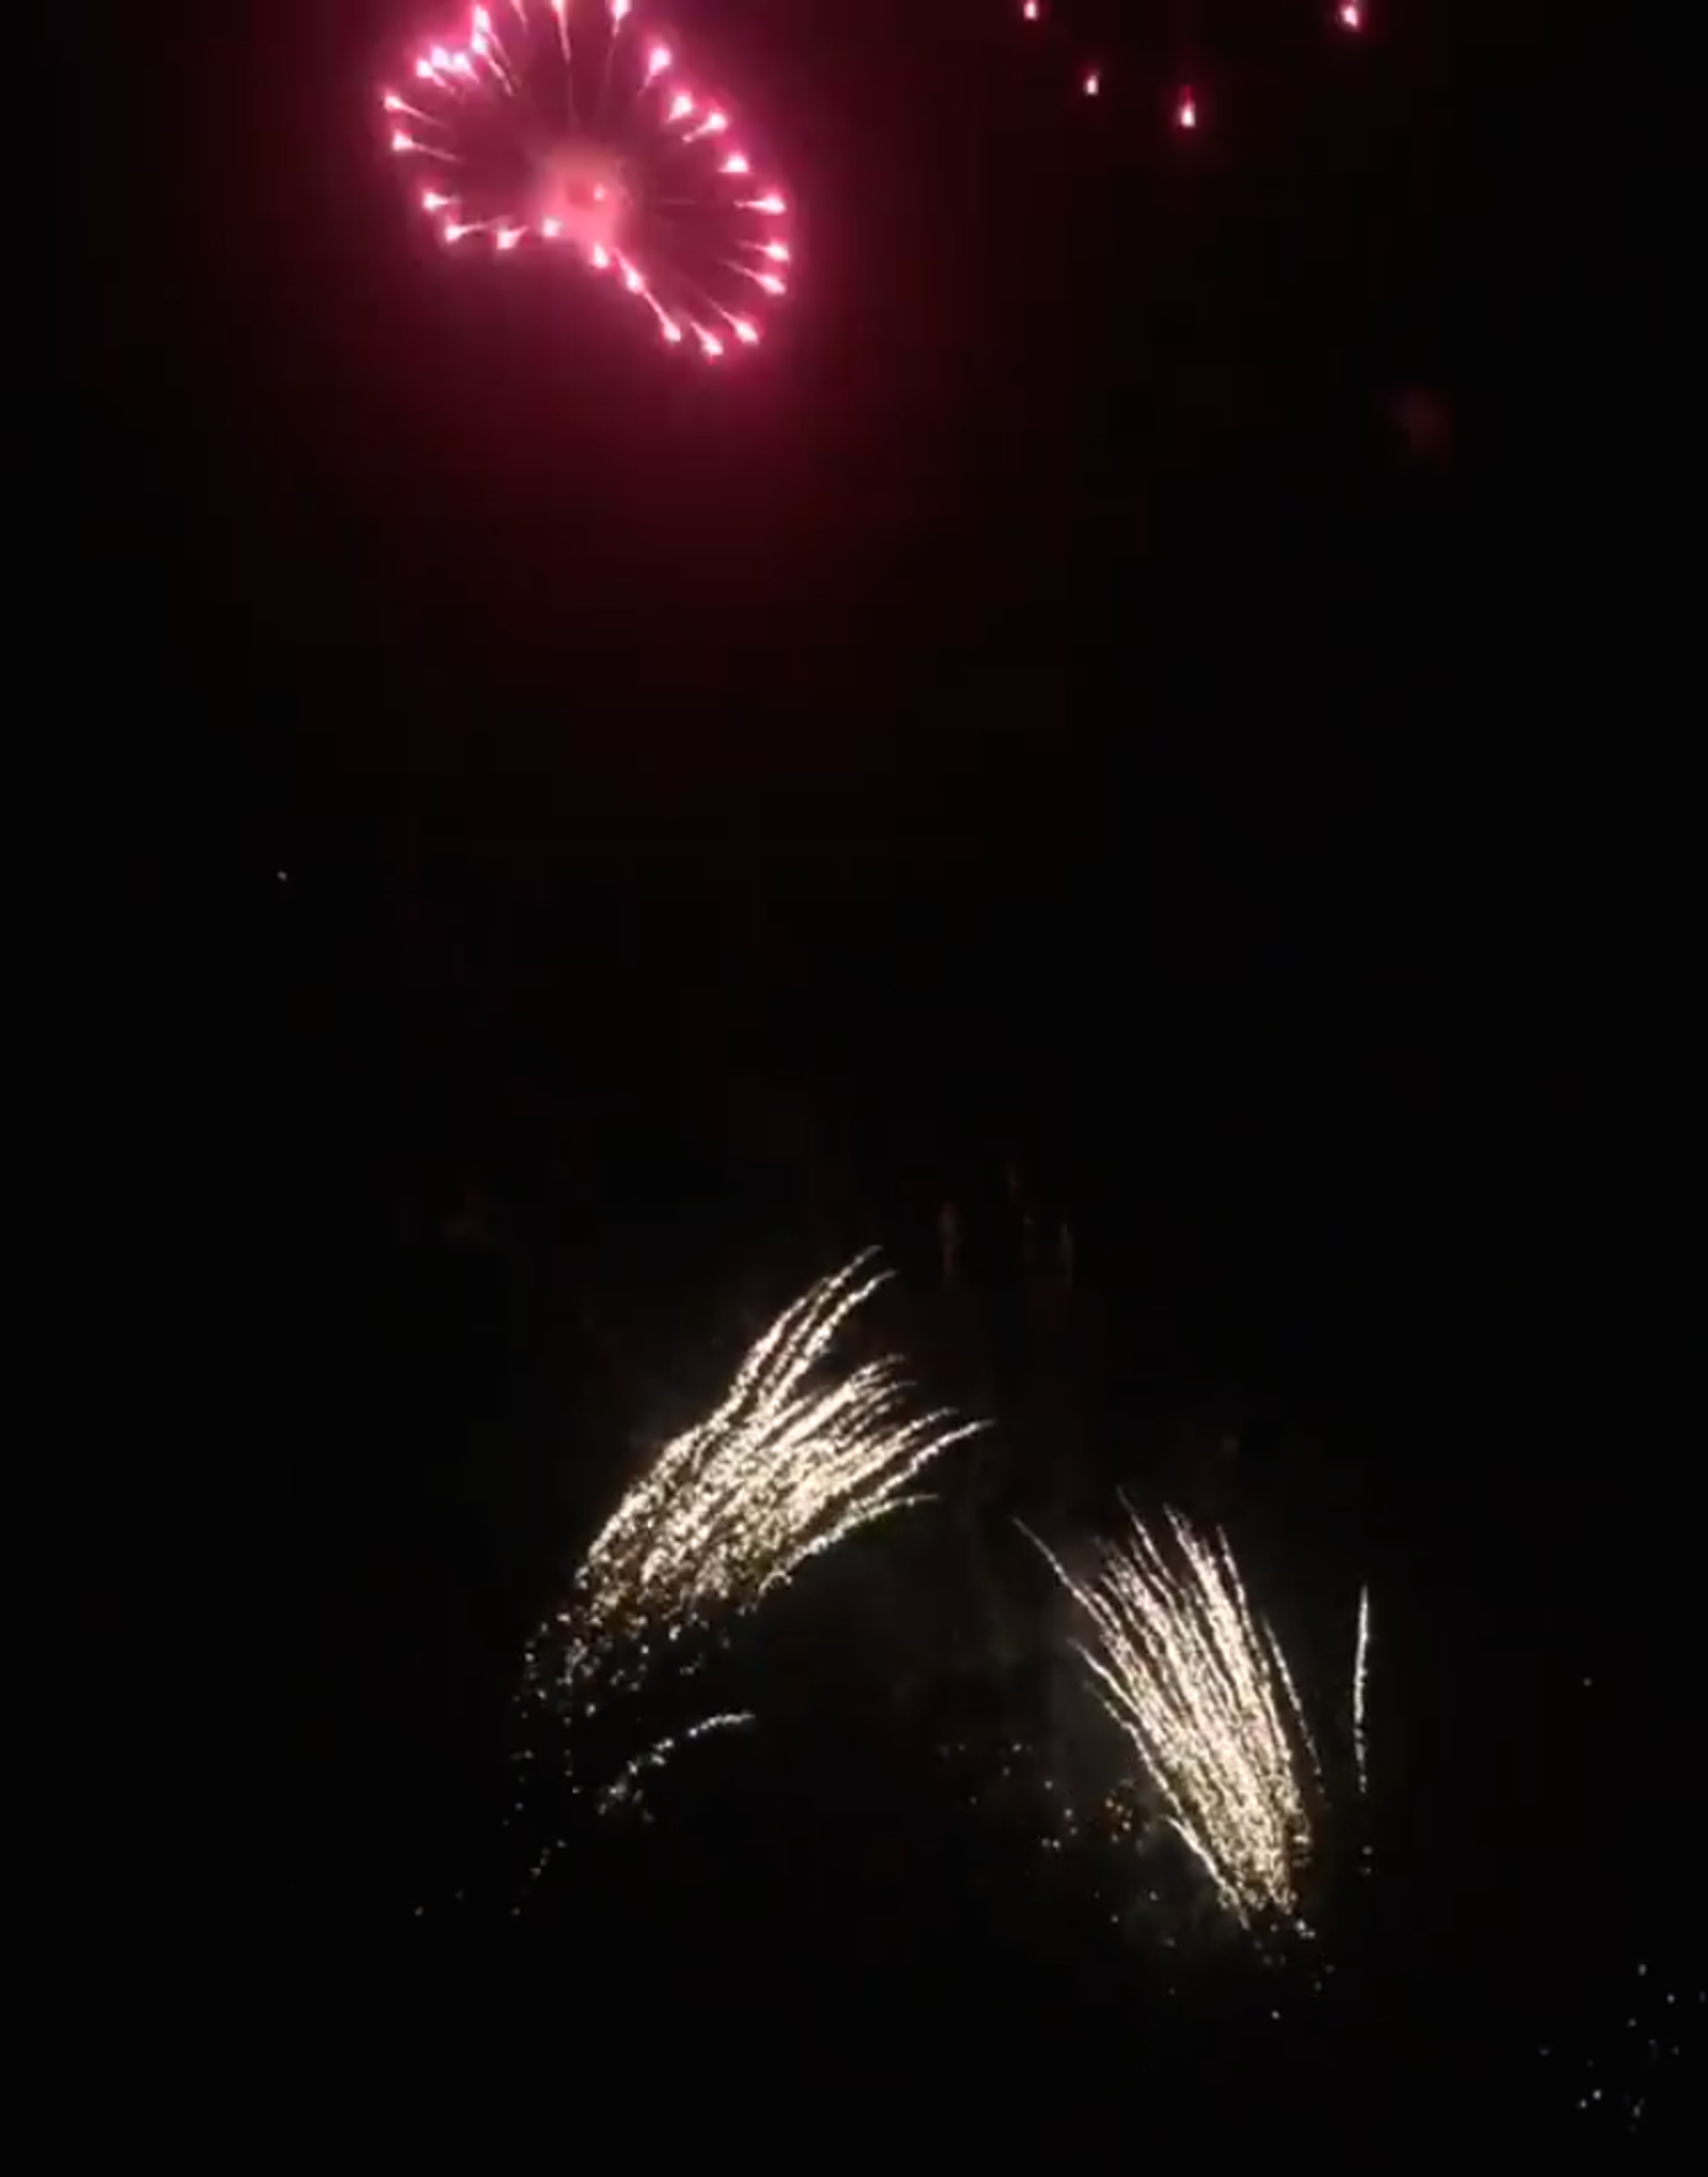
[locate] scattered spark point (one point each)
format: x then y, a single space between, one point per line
1346 16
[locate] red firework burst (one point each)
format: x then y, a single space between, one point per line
562 125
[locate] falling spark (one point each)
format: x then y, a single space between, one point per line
1200 1688
795 1458
1343 17
1361 1679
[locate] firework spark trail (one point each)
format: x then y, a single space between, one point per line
1201 1689
626 1788
1361 1681
787 1465
494 122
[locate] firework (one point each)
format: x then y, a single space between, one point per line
1197 1684
560 125
1056 25
1361 1685
795 1459
626 1787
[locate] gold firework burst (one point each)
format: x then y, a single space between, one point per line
795 1459
1198 1685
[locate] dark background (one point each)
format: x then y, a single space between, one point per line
1169 674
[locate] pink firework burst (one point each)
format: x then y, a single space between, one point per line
564 125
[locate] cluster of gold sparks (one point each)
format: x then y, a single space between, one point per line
1199 1686
796 1457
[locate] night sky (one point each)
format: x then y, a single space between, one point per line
1167 675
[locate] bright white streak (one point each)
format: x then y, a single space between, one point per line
1361 1679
